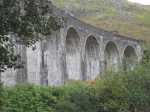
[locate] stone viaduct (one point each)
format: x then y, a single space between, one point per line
78 51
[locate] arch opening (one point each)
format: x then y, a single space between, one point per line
92 58
111 57
129 58
73 57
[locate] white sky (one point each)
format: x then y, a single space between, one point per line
144 2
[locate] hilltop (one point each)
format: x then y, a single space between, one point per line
126 18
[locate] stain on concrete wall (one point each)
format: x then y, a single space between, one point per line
111 57
92 58
73 55
130 58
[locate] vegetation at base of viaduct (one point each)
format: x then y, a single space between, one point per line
114 92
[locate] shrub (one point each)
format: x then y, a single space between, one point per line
137 83
79 97
125 91
29 98
112 93
72 97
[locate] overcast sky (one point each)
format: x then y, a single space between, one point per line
145 2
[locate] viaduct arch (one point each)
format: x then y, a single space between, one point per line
130 58
111 56
73 56
92 58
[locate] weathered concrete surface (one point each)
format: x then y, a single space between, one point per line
34 63
12 76
92 57
9 77
112 60
73 55
77 51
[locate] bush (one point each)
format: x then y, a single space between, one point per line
138 82
29 98
79 97
72 97
112 93
125 92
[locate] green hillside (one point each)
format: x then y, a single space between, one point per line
114 15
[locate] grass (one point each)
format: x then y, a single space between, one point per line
130 20
123 27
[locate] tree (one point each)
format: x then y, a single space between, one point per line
24 19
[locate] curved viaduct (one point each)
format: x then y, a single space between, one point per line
77 51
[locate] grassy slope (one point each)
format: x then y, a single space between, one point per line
126 18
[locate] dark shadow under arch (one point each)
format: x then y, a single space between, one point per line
111 57
73 56
92 58
129 58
